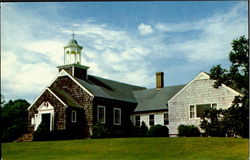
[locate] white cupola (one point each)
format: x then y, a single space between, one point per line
72 52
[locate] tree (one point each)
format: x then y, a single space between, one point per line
13 119
212 123
236 118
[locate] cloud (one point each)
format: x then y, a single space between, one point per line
144 29
30 53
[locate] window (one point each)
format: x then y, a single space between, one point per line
214 106
201 108
165 116
101 114
117 116
73 116
32 121
137 120
196 111
151 120
192 111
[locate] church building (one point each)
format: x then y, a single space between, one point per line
74 101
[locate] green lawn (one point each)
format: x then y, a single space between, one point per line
130 149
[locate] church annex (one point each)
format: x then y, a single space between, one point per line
74 101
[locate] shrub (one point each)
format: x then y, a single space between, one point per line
188 131
42 133
100 131
141 131
158 131
12 133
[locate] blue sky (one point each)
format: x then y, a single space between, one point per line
123 41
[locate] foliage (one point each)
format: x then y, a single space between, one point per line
100 131
188 131
158 131
160 148
236 118
42 133
212 123
13 119
141 131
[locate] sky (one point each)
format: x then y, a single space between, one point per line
122 41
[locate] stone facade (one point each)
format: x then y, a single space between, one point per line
59 108
80 96
198 92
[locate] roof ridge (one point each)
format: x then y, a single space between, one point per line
117 81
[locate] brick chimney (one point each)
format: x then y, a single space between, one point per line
159 80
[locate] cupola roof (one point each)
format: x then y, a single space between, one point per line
73 43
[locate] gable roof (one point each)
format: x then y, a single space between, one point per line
201 76
68 100
110 89
155 99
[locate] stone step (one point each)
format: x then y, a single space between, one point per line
27 137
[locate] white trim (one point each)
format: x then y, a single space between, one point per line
232 90
197 78
120 112
64 73
149 119
195 109
104 116
41 95
57 97
135 119
78 83
187 85
73 70
73 120
164 118
44 109
37 97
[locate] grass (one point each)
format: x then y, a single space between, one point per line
130 149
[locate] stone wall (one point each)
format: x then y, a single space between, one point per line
59 110
199 92
79 95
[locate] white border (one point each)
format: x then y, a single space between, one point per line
73 112
63 72
119 109
41 95
149 119
104 118
197 77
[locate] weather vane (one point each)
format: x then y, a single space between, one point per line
73 35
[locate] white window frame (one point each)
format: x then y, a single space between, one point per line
104 118
149 119
72 113
195 108
120 111
140 120
164 118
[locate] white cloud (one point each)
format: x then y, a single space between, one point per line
144 29
30 56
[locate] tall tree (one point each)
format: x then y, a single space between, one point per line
13 119
236 118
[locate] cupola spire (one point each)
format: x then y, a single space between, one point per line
72 52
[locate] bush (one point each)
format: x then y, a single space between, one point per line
42 133
141 131
100 131
12 133
188 131
158 131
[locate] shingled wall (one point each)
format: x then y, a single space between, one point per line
59 110
79 95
